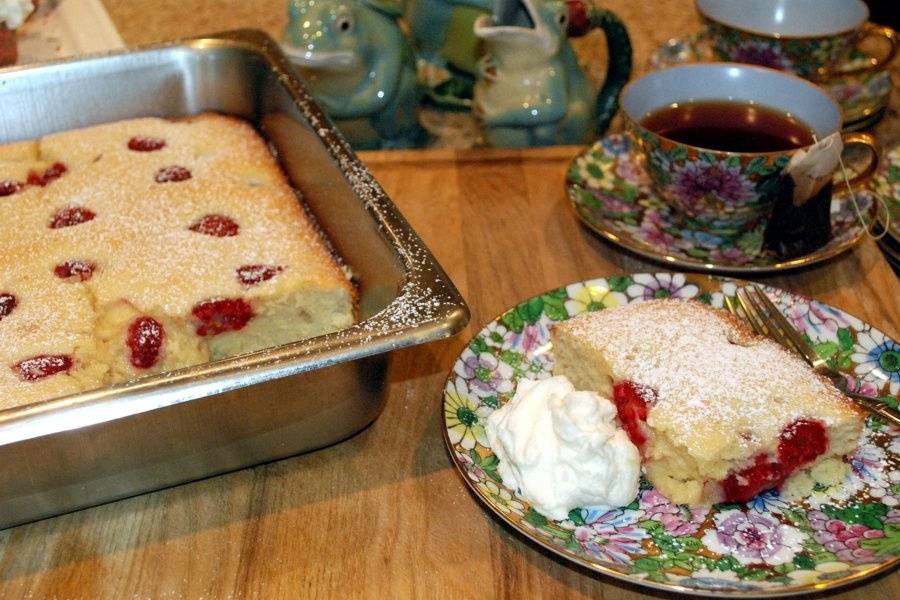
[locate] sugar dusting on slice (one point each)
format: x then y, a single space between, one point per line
706 368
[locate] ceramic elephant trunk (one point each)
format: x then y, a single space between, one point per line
531 90
359 66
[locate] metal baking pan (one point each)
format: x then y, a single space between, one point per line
89 448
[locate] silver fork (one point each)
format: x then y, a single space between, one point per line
765 318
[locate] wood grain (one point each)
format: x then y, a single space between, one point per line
384 514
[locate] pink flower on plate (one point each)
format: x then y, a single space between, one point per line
473 471
677 519
866 388
612 537
657 218
811 318
611 203
532 339
657 238
698 179
753 538
843 539
485 374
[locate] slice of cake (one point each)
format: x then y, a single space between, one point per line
148 245
720 414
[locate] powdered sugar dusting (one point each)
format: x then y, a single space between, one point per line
124 201
712 375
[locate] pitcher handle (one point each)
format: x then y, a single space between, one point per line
618 46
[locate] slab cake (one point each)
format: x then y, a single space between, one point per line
719 413
147 245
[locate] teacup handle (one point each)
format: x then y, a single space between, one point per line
871 30
874 148
618 45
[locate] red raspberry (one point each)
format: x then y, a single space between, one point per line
219 316
141 143
631 405
7 303
51 173
252 274
216 226
43 365
801 442
81 269
8 187
763 474
71 215
145 340
172 174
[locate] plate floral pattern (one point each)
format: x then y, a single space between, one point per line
860 96
887 184
612 194
769 546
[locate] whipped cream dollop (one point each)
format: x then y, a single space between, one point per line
560 448
14 12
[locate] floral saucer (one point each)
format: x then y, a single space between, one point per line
887 184
862 98
612 194
768 547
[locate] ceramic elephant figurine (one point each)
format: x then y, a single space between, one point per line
531 90
359 66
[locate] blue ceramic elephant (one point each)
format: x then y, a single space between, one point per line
359 66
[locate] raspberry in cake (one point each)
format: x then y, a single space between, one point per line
720 414
148 245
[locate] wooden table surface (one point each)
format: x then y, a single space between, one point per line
384 514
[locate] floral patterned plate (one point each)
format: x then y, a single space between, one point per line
861 97
612 194
767 547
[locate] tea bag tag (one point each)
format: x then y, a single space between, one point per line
813 167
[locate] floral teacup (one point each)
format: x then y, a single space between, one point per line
807 37
730 193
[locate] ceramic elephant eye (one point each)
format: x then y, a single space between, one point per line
344 23
562 19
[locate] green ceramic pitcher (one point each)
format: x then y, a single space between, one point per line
530 89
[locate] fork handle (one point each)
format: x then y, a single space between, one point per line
874 406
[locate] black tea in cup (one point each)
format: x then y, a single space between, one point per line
729 126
